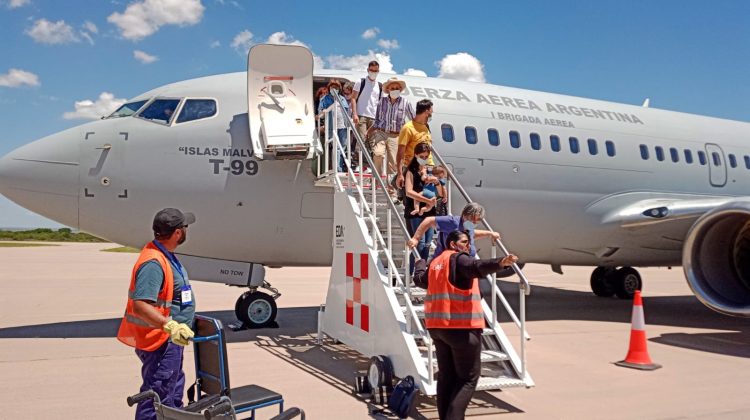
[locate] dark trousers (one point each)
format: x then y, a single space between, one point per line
162 372
459 367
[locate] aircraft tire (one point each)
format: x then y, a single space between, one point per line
380 372
600 282
626 282
256 309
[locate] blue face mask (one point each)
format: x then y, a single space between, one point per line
469 225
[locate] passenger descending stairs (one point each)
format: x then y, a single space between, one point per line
362 205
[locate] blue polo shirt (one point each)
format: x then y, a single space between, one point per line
149 280
446 225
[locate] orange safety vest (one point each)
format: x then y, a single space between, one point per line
134 331
447 306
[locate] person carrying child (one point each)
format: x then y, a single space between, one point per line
430 191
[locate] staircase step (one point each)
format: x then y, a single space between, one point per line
488 383
486 357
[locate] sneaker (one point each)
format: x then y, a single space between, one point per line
367 171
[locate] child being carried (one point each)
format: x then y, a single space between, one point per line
431 191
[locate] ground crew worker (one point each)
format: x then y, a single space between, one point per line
455 319
159 312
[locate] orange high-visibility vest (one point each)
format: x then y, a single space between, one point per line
447 306
134 331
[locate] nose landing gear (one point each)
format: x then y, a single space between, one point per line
608 281
257 309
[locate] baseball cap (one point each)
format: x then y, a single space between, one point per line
169 219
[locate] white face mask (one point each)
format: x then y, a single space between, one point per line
421 161
395 93
334 91
469 225
372 74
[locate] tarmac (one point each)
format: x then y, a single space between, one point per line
60 308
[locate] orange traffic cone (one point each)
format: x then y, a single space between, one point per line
638 357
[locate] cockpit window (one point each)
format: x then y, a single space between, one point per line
196 109
160 110
127 109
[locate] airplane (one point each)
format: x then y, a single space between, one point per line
568 180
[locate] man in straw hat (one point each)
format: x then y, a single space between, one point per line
392 112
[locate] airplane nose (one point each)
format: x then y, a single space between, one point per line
42 176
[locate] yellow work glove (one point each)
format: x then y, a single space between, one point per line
178 333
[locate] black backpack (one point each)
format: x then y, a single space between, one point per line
403 396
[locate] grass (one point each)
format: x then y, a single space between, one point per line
21 244
48 235
122 249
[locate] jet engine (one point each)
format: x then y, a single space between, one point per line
716 258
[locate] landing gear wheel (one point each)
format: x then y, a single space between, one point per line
256 309
380 372
600 282
626 282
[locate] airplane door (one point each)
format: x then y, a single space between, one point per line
717 165
102 175
280 101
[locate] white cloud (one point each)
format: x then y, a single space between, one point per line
52 33
14 4
215 44
370 33
415 72
358 62
242 42
144 57
89 26
284 39
87 37
15 78
91 110
142 18
388 44
461 66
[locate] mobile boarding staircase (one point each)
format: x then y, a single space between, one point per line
371 305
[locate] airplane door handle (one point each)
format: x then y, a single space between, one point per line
105 147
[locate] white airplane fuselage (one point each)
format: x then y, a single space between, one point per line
109 177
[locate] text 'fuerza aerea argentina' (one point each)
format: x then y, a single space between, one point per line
558 110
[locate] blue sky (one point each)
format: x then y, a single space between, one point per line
690 56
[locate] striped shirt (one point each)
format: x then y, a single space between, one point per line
390 117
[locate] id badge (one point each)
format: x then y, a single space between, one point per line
186 295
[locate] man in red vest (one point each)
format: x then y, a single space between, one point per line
455 319
159 312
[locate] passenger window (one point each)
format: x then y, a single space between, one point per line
644 152
574 147
610 145
732 161
675 154
659 153
197 109
715 157
702 157
127 109
554 143
160 110
536 143
747 161
688 156
493 137
515 139
593 148
471 135
447 131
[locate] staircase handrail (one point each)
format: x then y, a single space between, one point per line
524 281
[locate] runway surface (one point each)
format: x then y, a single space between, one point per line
60 308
